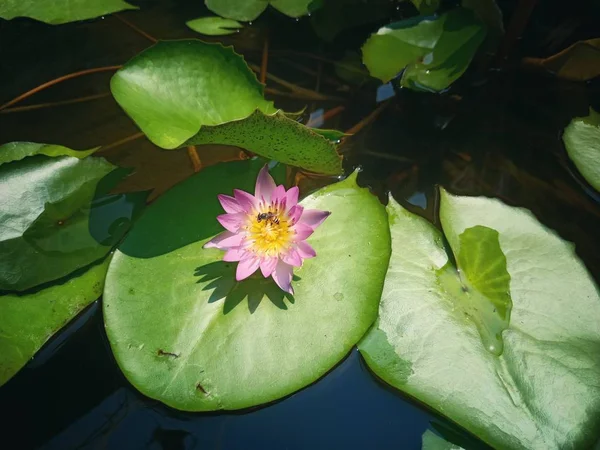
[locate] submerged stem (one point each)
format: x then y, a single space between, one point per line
133 137
136 29
51 104
50 83
194 158
298 90
367 120
265 61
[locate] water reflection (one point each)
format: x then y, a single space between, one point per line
333 413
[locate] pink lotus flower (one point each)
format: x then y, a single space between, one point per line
267 230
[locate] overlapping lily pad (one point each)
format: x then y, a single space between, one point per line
28 321
431 52
191 92
582 141
54 217
57 12
186 333
174 88
246 10
432 337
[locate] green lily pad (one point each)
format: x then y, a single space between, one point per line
277 137
214 26
174 88
190 92
247 10
186 333
541 391
54 218
433 51
15 151
28 321
56 12
582 141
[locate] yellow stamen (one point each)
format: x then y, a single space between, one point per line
269 232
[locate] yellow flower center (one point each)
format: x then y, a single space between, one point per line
269 232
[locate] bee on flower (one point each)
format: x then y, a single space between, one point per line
267 230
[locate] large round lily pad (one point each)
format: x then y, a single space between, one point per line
57 12
582 141
28 321
509 346
186 333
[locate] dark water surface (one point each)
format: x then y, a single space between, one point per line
495 134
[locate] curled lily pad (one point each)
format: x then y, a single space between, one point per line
432 52
582 141
246 10
186 333
191 92
174 88
15 151
54 217
280 138
214 26
57 12
28 321
435 326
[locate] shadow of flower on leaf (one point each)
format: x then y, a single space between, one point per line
220 279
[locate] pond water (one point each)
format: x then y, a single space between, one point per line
495 134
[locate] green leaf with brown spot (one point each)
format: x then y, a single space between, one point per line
280 138
191 92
